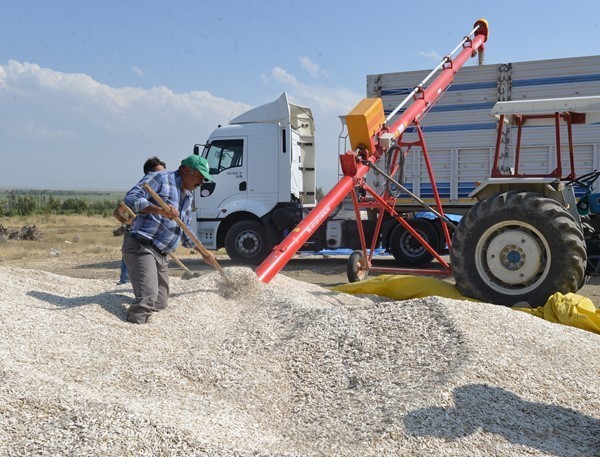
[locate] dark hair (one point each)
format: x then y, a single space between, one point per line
151 163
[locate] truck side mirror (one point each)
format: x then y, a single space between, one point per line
197 148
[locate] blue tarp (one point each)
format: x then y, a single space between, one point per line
380 251
343 251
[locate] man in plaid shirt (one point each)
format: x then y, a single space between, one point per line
154 233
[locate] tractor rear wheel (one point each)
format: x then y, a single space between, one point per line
518 246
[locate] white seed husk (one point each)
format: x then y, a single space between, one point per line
285 368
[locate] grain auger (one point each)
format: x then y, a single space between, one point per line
372 136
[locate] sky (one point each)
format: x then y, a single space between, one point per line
90 90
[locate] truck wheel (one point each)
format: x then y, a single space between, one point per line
247 242
356 269
518 246
405 248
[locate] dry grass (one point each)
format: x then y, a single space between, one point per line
76 246
74 235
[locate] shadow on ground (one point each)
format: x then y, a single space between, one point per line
548 428
114 302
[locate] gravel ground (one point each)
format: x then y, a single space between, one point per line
285 368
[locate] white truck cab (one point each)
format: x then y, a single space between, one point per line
263 166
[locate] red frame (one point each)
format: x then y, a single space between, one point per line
385 203
569 118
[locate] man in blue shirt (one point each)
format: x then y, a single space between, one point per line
154 233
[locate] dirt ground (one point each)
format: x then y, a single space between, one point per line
326 271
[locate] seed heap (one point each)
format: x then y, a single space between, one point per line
285 368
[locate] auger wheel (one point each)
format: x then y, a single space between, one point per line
357 268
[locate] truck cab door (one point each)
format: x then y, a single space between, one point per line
296 164
229 187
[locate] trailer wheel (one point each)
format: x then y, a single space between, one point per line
405 248
518 246
357 269
247 242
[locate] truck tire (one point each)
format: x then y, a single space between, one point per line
405 248
247 242
355 270
518 246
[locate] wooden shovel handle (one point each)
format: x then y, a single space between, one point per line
128 209
180 263
187 231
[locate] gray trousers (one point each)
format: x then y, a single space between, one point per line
149 274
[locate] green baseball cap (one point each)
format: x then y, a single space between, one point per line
197 163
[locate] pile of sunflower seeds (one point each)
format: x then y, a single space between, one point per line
287 369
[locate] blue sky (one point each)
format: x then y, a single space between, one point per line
89 90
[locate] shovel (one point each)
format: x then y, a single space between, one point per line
187 273
188 232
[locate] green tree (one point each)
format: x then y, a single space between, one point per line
74 206
26 205
102 207
12 201
53 205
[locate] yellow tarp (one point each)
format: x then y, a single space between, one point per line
403 287
570 309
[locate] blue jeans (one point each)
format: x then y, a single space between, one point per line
124 277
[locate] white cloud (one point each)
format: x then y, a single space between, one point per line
66 130
330 100
315 70
283 77
138 71
430 55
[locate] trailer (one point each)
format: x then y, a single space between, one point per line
461 134
461 140
499 131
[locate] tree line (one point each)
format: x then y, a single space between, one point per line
25 204
20 203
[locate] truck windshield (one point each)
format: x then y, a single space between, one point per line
223 154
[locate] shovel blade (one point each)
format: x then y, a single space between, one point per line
189 275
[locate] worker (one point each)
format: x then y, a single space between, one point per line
155 233
153 164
